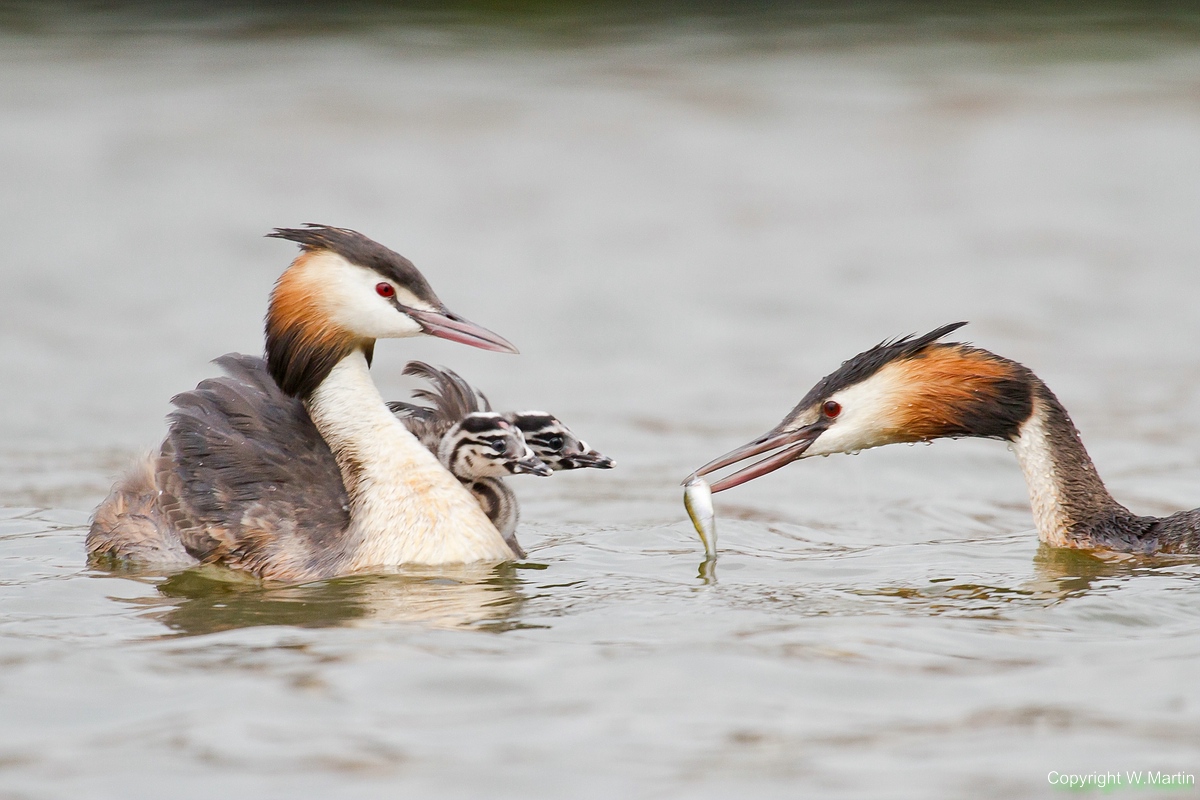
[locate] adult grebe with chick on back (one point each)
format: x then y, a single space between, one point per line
293 468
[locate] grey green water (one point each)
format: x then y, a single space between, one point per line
682 228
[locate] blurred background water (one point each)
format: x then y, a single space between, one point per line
684 216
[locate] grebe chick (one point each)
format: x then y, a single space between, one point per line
916 389
481 450
453 398
455 402
486 445
555 443
293 468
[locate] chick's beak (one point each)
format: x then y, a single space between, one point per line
532 465
588 458
448 325
793 444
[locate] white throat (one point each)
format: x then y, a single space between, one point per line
1034 451
405 508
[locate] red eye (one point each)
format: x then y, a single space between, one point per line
385 289
831 408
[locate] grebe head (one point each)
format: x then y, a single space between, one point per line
555 443
343 292
912 389
486 445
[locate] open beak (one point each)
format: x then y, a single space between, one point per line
589 458
448 325
794 443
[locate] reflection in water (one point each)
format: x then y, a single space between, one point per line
1059 575
708 571
208 599
1065 574
943 597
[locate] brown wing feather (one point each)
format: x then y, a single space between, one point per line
422 422
130 524
452 398
245 477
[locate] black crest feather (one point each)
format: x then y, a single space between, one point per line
867 363
359 249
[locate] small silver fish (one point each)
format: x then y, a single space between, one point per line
697 499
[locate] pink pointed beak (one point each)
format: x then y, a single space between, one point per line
448 325
794 443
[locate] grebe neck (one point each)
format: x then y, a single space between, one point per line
1071 505
500 504
404 506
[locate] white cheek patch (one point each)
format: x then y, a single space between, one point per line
350 298
868 411
406 298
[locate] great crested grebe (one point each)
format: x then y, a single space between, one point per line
555 443
916 389
461 419
480 450
486 445
453 398
293 468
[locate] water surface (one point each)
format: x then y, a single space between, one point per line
682 230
